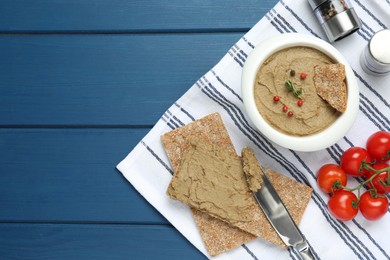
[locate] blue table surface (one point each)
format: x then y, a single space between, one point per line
81 82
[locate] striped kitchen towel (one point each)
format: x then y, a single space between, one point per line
148 169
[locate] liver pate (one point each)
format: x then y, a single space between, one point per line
315 114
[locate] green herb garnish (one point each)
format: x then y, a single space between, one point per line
290 86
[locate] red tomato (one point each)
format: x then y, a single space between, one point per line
373 208
378 146
381 182
351 161
343 205
328 175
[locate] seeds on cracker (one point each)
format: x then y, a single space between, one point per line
329 81
225 232
217 235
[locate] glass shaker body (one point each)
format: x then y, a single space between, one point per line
337 18
375 58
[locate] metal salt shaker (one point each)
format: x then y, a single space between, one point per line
375 58
337 17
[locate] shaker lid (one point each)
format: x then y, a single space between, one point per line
379 46
315 3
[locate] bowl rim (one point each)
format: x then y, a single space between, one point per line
313 142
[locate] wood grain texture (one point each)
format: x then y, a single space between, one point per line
69 175
130 16
75 84
90 241
101 79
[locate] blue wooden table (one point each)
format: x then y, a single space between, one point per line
81 82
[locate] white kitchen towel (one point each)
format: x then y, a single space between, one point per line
147 167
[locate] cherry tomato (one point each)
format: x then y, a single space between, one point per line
343 205
373 208
351 161
328 175
381 182
378 146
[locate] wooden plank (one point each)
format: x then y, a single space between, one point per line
47 241
130 16
69 175
101 79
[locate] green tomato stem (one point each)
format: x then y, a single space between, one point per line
373 190
387 156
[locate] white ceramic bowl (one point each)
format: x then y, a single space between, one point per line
314 142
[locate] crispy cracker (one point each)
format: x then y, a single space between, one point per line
245 212
184 186
217 235
329 81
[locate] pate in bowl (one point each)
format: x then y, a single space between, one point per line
299 92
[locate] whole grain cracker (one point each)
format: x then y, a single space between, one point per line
329 81
217 235
253 219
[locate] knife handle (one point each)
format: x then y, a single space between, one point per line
303 249
306 254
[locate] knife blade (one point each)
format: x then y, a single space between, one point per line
280 218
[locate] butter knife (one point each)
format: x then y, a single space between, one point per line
280 218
